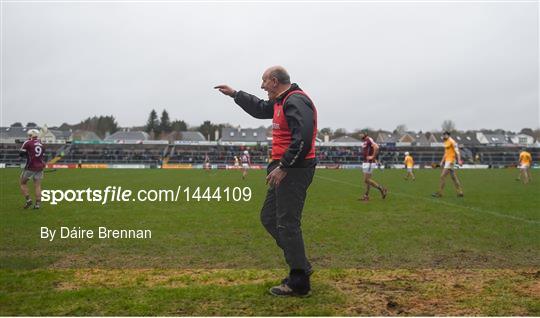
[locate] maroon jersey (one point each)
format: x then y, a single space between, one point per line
245 158
367 149
34 154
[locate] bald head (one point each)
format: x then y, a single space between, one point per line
279 73
275 81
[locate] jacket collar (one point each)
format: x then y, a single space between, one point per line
294 87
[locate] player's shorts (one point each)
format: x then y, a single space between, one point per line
245 165
368 167
409 169
34 175
449 165
524 166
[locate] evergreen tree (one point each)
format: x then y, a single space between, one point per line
179 125
152 125
207 129
165 123
100 125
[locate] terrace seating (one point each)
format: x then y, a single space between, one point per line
217 154
154 154
9 153
114 154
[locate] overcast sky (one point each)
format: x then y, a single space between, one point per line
363 64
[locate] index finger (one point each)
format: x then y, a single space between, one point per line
219 86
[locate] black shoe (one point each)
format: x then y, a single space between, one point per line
27 204
284 290
436 195
309 272
37 206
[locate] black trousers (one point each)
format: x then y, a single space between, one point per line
281 214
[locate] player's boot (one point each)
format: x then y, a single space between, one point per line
27 204
460 195
436 195
37 205
365 198
384 192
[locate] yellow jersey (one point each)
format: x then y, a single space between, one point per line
450 150
525 158
409 161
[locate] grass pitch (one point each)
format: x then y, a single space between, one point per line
407 255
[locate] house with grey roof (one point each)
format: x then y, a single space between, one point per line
420 139
14 134
468 138
63 135
345 139
406 137
191 136
10 135
130 136
84 135
229 134
383 137
521 139
435 137
431 138
496 139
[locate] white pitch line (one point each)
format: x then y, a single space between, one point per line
502 215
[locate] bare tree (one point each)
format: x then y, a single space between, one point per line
448 125
340 132
401 129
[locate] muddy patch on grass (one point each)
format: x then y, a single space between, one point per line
426 292
433 292
150 278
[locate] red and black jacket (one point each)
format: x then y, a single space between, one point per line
294 124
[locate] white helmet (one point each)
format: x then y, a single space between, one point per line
246 152
406 153
32 133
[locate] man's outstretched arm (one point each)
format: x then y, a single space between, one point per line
251 104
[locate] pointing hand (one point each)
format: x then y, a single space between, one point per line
227 90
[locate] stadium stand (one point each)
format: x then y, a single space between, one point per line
128 136
9 153
114 153
190 147
154 154
223 154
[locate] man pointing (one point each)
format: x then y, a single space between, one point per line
294 128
